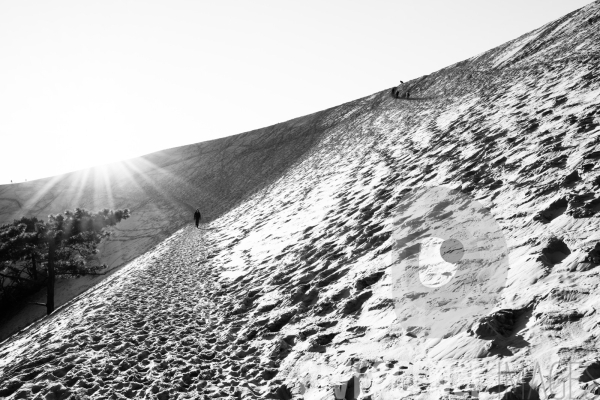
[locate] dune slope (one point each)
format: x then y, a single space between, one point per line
162 190
288 293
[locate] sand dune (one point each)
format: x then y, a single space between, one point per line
162 190
287 293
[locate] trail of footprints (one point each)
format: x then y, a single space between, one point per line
159 336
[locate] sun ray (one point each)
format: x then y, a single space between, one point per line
107 186
142 169
80 187
32 203
141 165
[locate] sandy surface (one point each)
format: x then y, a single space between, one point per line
288 293
138 335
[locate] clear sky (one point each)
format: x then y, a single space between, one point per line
89 82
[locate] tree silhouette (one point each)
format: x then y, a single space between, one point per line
65 244
22 249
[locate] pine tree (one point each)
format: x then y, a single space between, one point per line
65 244
22 247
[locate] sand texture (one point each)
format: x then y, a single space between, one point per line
287 292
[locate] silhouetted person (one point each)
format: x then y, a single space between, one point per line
396 90
197 216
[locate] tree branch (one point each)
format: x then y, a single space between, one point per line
15 278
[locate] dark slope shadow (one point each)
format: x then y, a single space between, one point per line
419 98
501 346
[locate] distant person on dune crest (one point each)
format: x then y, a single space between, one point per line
397 92
197 216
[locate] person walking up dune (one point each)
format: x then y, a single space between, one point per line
197 216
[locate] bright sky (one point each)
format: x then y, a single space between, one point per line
89 82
